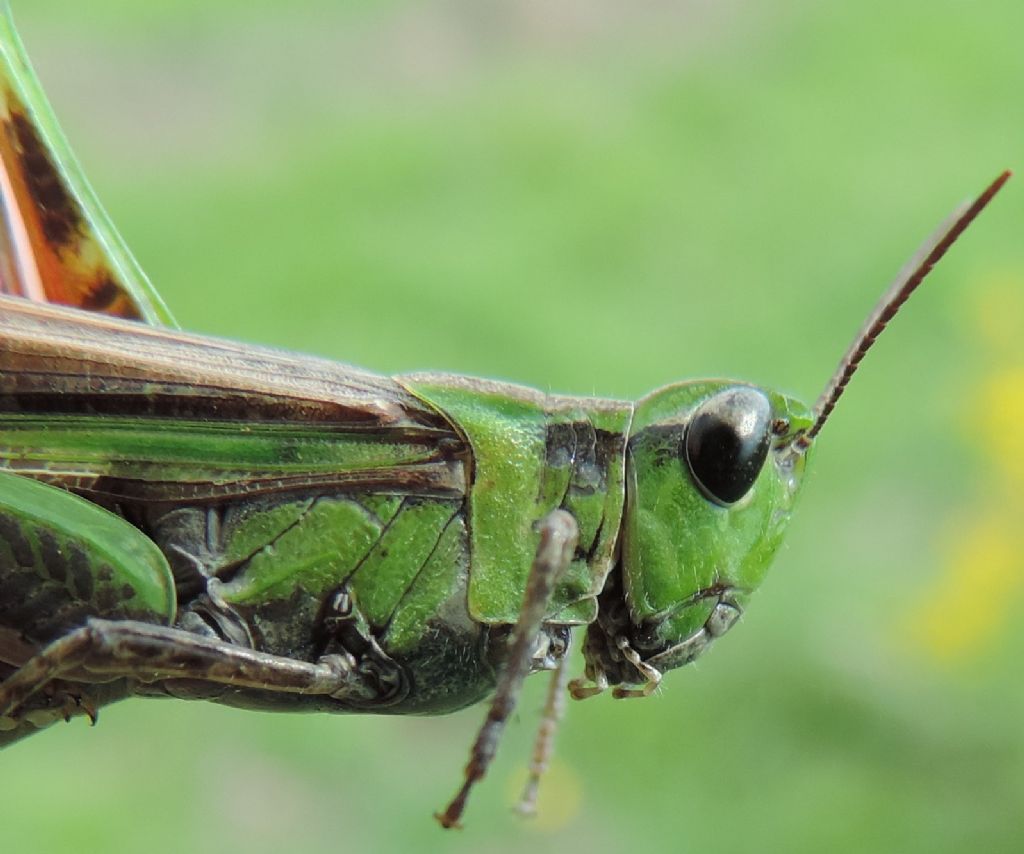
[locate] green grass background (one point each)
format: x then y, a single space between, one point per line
598 198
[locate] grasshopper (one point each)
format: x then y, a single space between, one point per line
190 517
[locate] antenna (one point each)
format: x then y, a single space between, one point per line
906 283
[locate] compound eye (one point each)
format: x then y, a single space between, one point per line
727 442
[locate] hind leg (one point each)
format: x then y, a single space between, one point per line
62 561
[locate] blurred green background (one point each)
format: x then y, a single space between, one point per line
598 198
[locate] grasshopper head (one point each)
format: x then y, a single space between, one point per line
712 471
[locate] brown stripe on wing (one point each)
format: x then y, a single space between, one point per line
441 479
66 373
59 360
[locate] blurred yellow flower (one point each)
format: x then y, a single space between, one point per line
997 426
973 599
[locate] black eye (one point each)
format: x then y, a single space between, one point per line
727 442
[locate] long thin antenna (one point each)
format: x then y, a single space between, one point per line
906 283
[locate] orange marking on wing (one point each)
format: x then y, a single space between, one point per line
54 259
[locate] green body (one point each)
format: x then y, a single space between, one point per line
418 496
305 509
